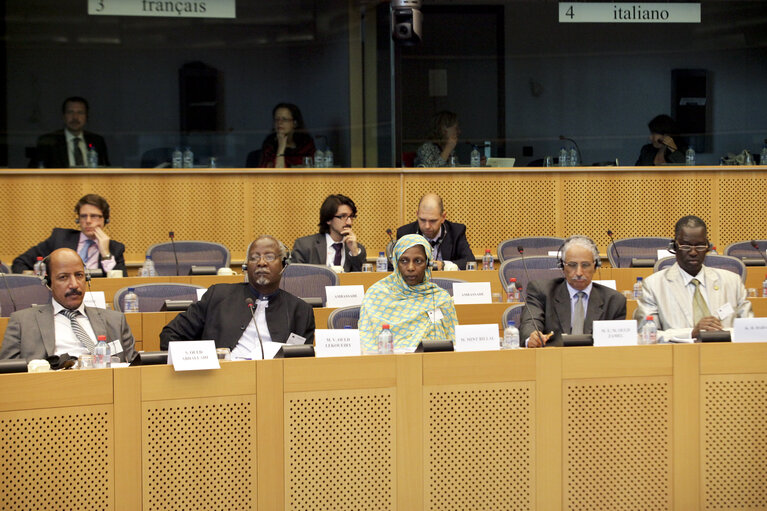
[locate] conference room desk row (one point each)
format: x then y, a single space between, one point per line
645 427
146 326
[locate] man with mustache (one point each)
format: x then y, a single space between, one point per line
569 305
65 325
223 313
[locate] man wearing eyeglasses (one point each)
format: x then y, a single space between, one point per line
569 304
335 244
91 242
688 297
246 316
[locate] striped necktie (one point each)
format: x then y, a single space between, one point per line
81 335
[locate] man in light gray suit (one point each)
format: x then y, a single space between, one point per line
65 325
688 298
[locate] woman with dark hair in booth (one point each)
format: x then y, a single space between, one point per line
443 139
288 143
666 146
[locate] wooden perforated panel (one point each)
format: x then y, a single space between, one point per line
734 442
741 202
490 205
634 205
339 450
199 454
617 452
57 459
479 451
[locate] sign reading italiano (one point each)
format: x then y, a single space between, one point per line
163 8
598 12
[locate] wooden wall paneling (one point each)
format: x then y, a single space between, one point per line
128 439
686 426
270 443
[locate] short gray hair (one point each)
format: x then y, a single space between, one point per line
579 240
284 252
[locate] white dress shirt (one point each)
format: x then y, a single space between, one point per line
66 340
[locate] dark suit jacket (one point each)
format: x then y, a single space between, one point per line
647 155
52 151
549 303
454 246
64 238
31 333
223 315
313 249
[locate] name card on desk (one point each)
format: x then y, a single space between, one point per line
663 253
344 296
477 338
472 292
607 283
750 330
193 355
201 292
622 332
343 342
95 299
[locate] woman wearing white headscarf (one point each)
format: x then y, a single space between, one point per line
404 300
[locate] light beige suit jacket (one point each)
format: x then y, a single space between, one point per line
665 297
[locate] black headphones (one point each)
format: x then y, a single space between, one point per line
560 255
47 276
285 260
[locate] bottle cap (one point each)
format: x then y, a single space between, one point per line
380 254
102 338
639 278
131 289
385 327
649 318
39 258
511 322
512 279
487 251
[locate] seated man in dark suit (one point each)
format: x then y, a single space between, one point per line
335 244
65 325
448 239
92 243
223 314
68 147
569 305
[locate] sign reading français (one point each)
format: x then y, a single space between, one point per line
628 12
163 8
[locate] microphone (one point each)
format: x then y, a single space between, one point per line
617 255
251 306
580 156
10 294
756 246
521 251
388 231
88 281
172 236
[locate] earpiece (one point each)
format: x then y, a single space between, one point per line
672 246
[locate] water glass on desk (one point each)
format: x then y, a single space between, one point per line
471 265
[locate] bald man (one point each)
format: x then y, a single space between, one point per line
448 239
65 325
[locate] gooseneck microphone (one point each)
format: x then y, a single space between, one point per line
756 247
10 294
391 238
172 237
521 251
617 255
251 306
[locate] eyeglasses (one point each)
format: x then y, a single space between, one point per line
92 217
689 248
268 257
586 265
283 119
343 218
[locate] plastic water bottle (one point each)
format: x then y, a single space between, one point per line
512 293
638 289
176 158
319 159
93 157
149 268
749 160
488 149
689 156
487 260
563 157
188 158
328 158
102 355
385 341
39 267
453 160
131 301
510 337
764 287
649 331
763 156
475 159
574 160
381 263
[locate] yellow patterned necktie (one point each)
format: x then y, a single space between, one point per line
699 307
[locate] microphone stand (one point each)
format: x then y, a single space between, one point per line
172 236
251 306
617 255
521 251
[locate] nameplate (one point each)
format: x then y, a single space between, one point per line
607 283
553 253
621 332
201 292
344 296
95 299
344 342
472 292
750 330
663 253
629 12
161 8
477 338
193 355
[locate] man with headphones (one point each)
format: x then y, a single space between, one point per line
246 316
688 297
65 325
569 304
91 242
